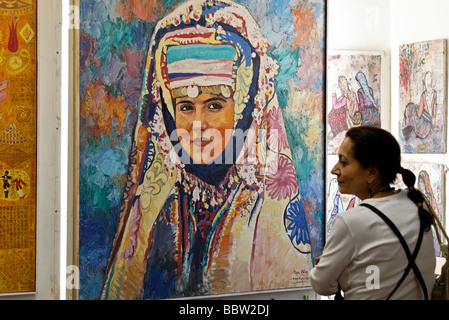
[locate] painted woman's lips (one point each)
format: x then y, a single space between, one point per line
202 142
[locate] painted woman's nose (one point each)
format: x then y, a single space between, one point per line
200 122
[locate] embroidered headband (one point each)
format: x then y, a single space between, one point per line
198 65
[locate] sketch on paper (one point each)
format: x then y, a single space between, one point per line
422 97
201 147
430 181
354 93
18 145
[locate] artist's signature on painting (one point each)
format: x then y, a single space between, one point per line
299 277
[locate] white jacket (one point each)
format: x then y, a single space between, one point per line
365 257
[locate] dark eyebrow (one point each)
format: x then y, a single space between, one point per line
215 98
184 101
206 101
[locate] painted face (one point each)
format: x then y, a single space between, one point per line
351 176
343 84
204 125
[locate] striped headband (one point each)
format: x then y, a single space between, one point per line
197 65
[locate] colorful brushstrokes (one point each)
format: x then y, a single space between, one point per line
422 97
153 225
18 143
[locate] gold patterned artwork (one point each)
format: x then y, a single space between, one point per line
18 144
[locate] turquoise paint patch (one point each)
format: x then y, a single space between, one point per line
200 52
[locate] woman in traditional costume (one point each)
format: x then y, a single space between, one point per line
345 111
420 119
367 103
211 204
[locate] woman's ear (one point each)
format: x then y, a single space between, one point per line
373 174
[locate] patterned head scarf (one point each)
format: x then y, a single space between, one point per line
190 229
361 78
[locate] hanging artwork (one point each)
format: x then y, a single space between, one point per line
430 181
18 137
422 97
354 93
201 157
336 202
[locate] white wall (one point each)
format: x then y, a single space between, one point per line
49 149
358 25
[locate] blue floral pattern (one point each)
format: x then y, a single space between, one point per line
296 226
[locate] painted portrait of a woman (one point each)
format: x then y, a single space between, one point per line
211 204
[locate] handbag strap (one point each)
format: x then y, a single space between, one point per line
411 257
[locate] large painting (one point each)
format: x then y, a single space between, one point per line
18 145
201 167
354 93
422 97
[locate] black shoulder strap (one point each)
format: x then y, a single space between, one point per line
411 257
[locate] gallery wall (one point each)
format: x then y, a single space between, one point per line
362 26
352 25
383 25
413 21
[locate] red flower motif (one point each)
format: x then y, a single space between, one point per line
281 180
277 139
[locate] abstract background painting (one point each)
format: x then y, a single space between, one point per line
422 97
18 145
114 41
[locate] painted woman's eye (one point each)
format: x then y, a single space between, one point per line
215 106
186 107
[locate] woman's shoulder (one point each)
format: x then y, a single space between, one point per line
354 216
399 199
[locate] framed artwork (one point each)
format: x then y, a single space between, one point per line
201 146
18 145
336 202
422 97
354 93
430 180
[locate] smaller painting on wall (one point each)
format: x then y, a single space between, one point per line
336 202
354 93
422 97
430 181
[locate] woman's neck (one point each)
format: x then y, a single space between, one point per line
382 192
